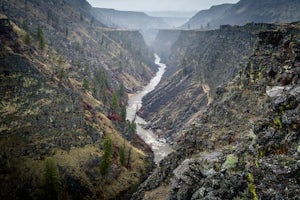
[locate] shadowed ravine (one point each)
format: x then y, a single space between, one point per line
159 147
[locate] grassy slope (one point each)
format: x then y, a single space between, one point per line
47 114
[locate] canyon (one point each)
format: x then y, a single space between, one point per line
214 114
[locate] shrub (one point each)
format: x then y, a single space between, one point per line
27 39
122 155
231 161
278 123
62 73
86 84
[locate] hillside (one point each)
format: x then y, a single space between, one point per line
228 103
199 61
203 19
147 25
61 71
270 11
245 11
129 19
245 145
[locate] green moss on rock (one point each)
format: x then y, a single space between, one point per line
231 161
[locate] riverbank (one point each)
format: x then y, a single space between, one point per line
160 148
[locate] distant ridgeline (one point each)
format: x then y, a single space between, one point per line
245 11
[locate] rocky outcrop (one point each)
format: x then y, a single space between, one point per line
246 145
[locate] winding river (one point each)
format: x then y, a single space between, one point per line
159 147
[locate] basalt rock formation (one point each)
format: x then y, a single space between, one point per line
246 144
199 62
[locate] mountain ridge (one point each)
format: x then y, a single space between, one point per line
244 11
203 19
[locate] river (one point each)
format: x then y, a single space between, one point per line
159 147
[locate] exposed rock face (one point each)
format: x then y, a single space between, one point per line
198 63
246 145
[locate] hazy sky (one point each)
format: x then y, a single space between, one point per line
158 5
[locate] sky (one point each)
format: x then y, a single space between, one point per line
158 5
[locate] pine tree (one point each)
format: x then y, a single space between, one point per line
51 180
115 102
122 155
131 129
123 113
106 158
86 84
27 39
40 37
122 90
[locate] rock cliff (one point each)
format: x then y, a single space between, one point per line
199 62
246 144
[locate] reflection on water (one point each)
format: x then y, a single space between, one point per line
160 148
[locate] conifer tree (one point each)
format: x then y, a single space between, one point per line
122 155
123 113
106 158
51 181
40 37
27 39
86 84
115 102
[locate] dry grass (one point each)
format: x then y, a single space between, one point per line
160 193
76 160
